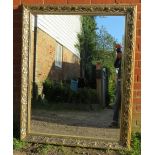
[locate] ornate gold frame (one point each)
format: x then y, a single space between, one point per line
129 11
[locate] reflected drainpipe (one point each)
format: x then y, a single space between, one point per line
34 61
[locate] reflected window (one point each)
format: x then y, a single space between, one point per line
58 55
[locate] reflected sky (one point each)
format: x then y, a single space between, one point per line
115 25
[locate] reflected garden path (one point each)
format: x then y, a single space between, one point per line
75 123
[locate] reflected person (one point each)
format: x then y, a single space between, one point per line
117 106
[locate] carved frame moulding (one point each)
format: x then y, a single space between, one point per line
130 12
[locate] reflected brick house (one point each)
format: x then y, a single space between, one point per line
53 52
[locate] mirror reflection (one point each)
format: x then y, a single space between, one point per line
74 82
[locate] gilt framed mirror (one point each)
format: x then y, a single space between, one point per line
54 109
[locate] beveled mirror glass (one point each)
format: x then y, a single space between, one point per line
52 109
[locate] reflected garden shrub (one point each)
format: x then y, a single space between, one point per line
61 92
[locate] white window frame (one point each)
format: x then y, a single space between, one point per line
58 55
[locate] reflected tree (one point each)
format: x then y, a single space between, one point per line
87 44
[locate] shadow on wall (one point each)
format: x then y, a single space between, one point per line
67 72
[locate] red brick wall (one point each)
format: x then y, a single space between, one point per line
17 35
17 49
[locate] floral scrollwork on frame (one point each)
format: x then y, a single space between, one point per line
129 11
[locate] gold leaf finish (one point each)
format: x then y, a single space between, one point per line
127 83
